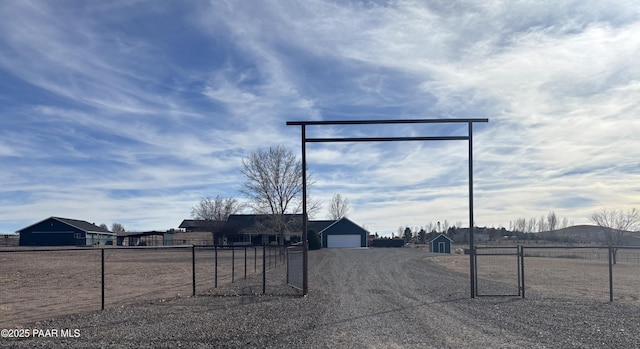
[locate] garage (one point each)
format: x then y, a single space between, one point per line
343 233
343 241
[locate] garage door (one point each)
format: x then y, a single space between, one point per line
343 241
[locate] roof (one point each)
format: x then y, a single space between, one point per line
318 226
76 223
197 223
343 219
439 235
252 222
143 233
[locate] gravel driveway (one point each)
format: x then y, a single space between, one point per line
361 298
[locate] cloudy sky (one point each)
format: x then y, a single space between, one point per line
131 111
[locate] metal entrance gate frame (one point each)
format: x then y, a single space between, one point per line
519 266
305 140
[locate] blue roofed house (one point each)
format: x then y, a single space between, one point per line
342 233
56 231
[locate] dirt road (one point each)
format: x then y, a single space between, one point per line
363 298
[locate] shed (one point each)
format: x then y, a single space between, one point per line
344 233
56 231
147 238
441 244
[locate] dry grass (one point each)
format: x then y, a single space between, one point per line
551 277
41 285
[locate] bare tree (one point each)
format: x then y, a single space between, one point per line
532 223
615 224
565 223
103 226
339 207
215 212
430 227
445 226
273 185
520 225
117 228
552 221
542 224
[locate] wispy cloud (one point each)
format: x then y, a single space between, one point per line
141 108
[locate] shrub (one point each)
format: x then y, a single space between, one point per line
314 240
387 243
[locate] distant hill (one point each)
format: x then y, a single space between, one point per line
587 234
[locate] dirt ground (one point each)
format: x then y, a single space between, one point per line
41 285
358 298
552 277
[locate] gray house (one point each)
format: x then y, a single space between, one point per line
56 231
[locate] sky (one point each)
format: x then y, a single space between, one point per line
131 111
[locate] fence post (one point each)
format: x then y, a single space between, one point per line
610 274
245 262
233 264
102 267
522 268
474 256
215 268
255 260
193 268
518 254
264 268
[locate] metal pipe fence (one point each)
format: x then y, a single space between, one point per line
609 273
38 283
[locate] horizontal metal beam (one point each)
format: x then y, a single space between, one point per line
385 139
381 122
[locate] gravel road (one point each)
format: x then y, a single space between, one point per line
361 298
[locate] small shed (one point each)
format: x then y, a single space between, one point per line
56 231
147 238
344 233
441 244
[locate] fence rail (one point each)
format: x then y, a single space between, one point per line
39 282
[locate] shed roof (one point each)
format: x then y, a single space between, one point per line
439 235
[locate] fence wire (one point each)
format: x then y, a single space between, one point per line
498 273
599 273
37 284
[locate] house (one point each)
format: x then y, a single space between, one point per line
441 244
253 228
318 226
199 225
342 233
56 231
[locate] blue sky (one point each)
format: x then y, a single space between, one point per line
131 111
